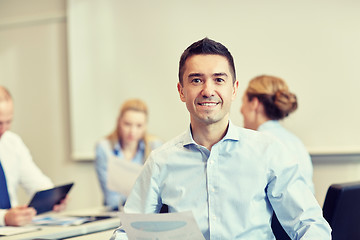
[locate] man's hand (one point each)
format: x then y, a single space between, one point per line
19 216
62 205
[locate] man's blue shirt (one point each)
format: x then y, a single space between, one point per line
233 189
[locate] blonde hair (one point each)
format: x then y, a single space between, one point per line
134 105
274 94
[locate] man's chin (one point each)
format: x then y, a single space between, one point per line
208 120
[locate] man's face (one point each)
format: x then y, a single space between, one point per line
208 88
6 116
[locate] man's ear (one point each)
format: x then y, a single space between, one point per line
235 89
181 92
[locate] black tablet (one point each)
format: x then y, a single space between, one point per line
44 201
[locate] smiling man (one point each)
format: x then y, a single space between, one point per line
207 87
231 178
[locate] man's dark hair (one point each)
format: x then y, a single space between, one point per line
203 47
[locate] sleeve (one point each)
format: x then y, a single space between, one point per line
111 198
31 177
145 195
306 169
292 200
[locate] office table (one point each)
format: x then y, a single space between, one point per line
100 229
104 235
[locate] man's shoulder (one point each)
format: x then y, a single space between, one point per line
171 145
12 143
11 138
251 135
256 140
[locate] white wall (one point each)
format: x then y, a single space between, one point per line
334 169
34 66
122 49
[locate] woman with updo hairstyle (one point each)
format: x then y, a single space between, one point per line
129 141
267 100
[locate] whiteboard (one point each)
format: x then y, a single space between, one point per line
124 49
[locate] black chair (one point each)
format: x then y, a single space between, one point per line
278 230
342 210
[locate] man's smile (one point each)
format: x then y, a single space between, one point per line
208 104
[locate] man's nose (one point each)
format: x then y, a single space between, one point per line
208 89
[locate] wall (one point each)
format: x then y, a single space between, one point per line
34 66
123 49
329 169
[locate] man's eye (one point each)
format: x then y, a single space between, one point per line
219 80
196 80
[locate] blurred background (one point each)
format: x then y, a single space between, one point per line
70 64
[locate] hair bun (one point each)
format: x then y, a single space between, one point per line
285 101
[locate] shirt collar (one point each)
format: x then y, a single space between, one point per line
231 134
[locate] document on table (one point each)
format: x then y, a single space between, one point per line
8 230
122 175
60 220
175 226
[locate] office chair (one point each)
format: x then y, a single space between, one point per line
278 230
342 210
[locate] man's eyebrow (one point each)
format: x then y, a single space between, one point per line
200 74
220 74
195 75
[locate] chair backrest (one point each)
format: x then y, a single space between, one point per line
342 210
278 230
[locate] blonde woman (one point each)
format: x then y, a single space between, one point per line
267 100
128 142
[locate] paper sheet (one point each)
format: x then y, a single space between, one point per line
175 226
122 175
60 220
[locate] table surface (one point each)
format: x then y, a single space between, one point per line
100 229
106 235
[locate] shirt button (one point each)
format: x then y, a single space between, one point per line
211 161
213 189
214 218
